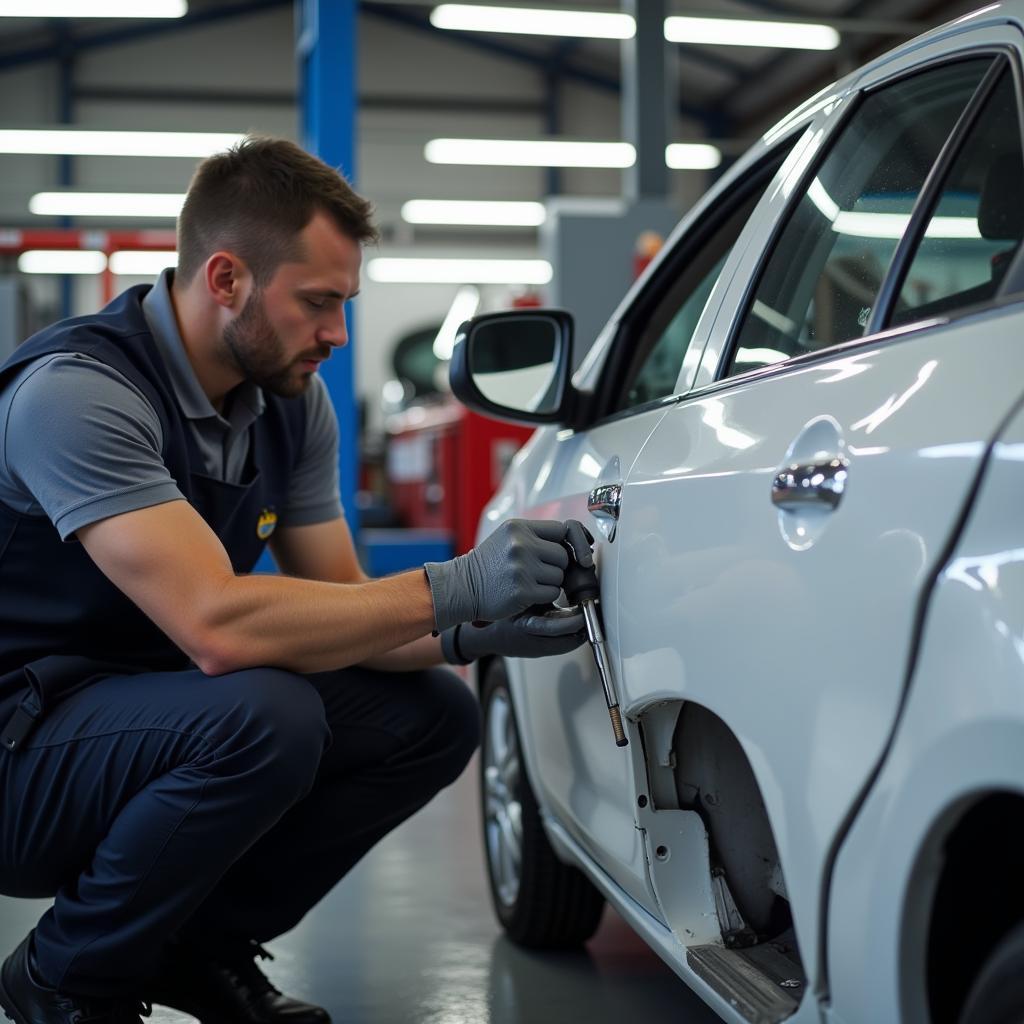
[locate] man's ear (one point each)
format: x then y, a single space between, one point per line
227 279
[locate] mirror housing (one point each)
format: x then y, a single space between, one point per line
516 365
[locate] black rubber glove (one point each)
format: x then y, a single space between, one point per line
521 564
536 633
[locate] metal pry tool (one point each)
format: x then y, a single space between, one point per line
581 588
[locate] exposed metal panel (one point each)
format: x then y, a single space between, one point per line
755 988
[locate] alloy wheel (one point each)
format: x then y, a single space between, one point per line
502 807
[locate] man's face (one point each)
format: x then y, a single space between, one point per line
289 326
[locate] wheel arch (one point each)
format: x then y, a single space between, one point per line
966 892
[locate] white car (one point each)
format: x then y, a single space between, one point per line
799 444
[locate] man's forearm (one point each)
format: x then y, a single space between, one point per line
423 652
308 626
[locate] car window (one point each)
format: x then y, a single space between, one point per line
661 345
820 282
975 227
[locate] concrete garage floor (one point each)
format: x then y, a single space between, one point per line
409 937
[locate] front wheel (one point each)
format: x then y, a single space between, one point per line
997 996
540 902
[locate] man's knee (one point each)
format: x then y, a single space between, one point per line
273 721
454 721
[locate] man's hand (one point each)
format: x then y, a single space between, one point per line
521 564
536 633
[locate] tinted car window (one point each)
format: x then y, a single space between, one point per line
819 286
976 226
657 375
663 343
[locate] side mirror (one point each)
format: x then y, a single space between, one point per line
515 365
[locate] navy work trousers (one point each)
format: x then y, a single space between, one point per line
214 808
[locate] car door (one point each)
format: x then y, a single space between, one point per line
582 779
779 526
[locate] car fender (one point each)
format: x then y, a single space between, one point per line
960 738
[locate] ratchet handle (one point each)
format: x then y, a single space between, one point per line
580 584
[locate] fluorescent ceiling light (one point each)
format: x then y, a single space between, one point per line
533 21
141 262
62 261
952 227
512 153
767 356
738 32
106 204
893 225
76 142
865 224
692 156
463 307
773 318
443 211
818 194
93 9
394 270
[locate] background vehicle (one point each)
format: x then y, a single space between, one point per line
800 434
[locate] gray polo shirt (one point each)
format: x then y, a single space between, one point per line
80 443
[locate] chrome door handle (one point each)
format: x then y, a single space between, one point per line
810 483
604 501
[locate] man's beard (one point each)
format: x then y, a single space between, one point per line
257 350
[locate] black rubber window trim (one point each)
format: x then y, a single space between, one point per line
1012 287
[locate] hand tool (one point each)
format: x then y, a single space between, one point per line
581 588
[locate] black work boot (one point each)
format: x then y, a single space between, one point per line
25 999
226 988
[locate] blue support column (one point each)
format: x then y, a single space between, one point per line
326 52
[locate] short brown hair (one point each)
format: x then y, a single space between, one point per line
255 198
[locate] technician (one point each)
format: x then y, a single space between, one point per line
190 756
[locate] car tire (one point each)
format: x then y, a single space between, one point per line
540 902
997 995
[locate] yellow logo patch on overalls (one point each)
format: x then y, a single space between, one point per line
266 523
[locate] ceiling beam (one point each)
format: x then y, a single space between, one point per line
540 61
711 60
761 101
764 10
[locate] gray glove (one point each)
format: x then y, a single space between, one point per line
531 634
521 564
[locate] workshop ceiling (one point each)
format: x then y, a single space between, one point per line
736 89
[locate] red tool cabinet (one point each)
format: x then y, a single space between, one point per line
444 463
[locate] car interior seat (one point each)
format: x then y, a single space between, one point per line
1000 218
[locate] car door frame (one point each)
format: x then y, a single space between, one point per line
632 315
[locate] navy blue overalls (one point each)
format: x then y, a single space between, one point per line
150 799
